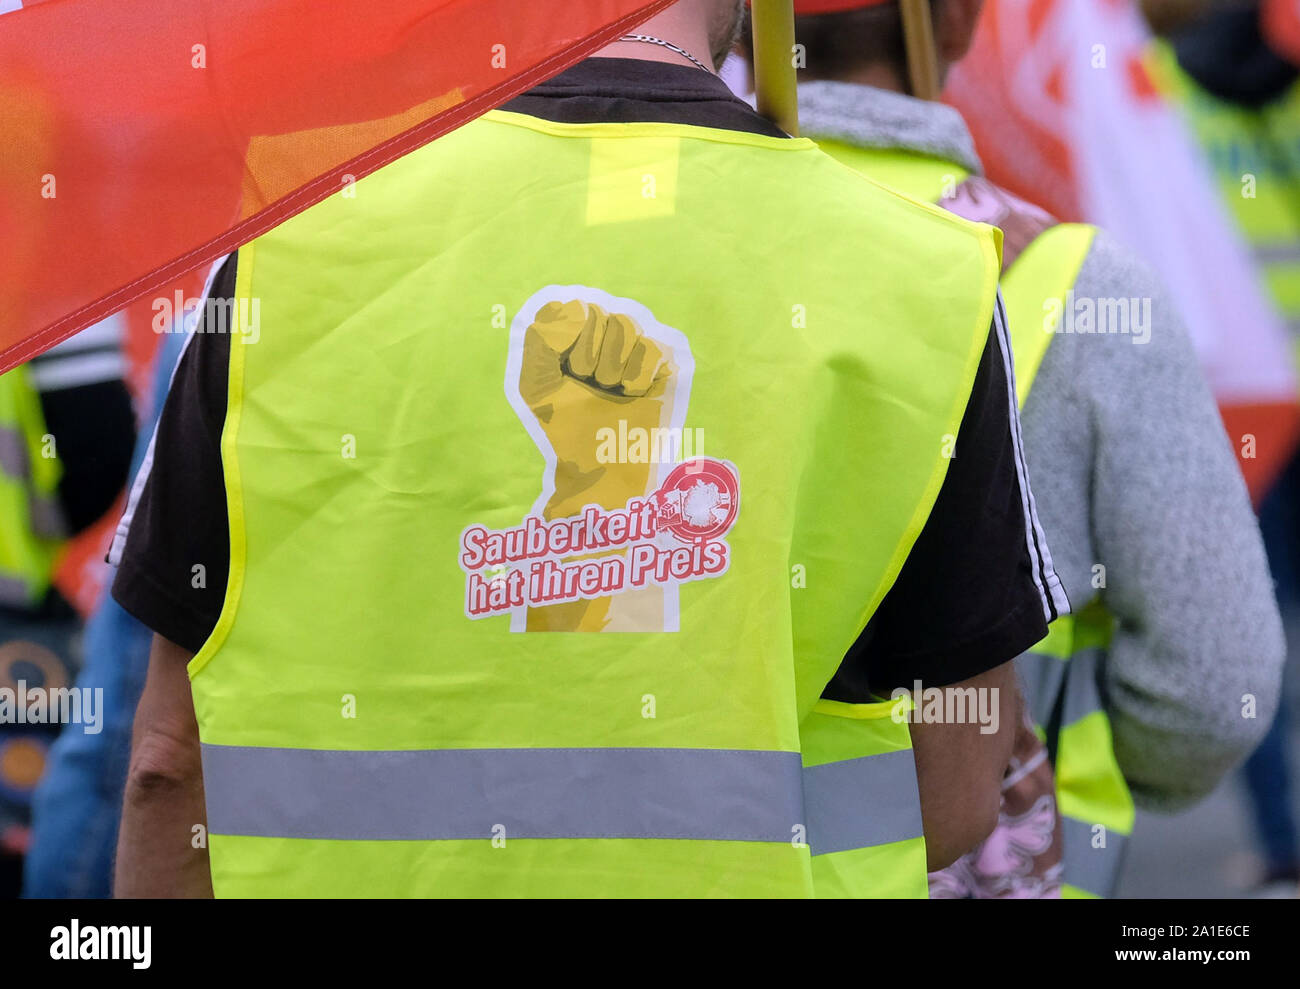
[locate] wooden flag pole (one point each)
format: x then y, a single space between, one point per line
774 72
918 40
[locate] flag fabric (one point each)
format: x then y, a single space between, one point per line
1280 22
1064 114
144 138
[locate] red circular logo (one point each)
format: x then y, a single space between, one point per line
699 500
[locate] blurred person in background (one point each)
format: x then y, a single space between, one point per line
1141 692
1241 101
66 432
76 807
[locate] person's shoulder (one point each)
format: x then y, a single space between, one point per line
1117 268
871 196
1129 302
878 224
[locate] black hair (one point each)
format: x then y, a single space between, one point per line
836 44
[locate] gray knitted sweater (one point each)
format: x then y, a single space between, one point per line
1132 470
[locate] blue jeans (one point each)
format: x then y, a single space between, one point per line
1268 785
1267 772
76 808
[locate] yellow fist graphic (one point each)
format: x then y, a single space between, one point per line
583 370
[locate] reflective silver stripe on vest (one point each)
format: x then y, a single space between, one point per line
44 512
13 454
1280 252
858 803
1082 692
1042 678
1094 870
14 592
432 795
46 517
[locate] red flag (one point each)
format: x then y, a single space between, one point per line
144 138
1280 22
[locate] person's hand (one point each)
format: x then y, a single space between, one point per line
584 371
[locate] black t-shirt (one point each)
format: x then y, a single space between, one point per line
976 590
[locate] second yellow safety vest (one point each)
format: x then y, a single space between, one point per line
1255 157
1059 674
31 525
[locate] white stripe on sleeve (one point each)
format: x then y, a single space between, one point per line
1050 589
146 464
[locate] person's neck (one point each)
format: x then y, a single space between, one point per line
877 75
676 27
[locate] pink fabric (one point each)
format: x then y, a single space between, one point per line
979 200
1022 858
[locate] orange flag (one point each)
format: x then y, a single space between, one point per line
141 139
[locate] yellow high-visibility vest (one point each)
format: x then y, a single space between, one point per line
568 463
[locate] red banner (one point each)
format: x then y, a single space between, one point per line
142 138
1280 22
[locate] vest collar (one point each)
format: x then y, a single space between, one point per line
877 118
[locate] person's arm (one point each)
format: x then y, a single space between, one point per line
976 590
959 772
1197 626
163 815
174 529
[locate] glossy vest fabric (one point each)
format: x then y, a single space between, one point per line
477 641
